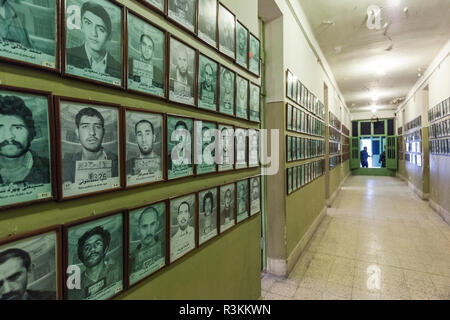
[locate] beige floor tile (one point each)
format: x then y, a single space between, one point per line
307 294
285 288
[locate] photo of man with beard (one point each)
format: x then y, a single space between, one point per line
181 73
149 254
182 12
207 89
227 79
242 45
182 228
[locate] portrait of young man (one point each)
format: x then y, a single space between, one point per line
253 145
227 79
207 26
242 45
241 148
254 55
242 98
87 165
181 78
23 118
179 151
226 148
93 59
101 264
207 90
146 62
227 207
205 147
147 236
28 268
242 200
255 194
207 215
182 11
144 147
254 103
182 238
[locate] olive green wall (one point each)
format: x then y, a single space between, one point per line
419 177
337 175
205 273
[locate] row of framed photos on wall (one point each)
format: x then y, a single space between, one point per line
80 147
440 147
440 129
334 121
417 122
298 148
300 176
335 161
99 257
439 111
335 135
335 147
298 93
301 122
141 58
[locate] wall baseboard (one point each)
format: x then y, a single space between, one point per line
440 210
418 192
329 202
277 267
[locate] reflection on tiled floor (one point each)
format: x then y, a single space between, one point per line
378 241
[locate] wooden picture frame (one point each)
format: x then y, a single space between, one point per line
155 8
258 147
221 166
238 99
224 224
178 23
252 117
200 36
215 68
230 14
238 163
251 179
197 139
225 99
214 231
254 38
240 62
240 218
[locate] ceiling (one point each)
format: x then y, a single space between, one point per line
384 63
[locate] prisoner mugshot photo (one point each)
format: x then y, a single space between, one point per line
22 40
205 150
207 83
227 30
29 268
89 148
227 207
183 12
144 147
207 21
146 57
94 40
182 226
180 132
182 73
147 238
25 165
95 248
208 210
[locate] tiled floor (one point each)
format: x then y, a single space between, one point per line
378 241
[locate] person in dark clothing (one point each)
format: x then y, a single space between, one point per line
364 157
383 159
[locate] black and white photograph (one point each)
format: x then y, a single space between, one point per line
182 73
225 148
207 210
182 226
289 117
241 45
242 97
180 133
30 266
205 147
253 146
147 241
25 148
89 147
29 32
241 148
207 83
254 55
93 34
183 13
242 200
95 249
146 57
156 4
255 195
144 147
255 102
207 21
227 86
227 207
227 32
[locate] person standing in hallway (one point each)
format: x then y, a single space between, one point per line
383 159
364 157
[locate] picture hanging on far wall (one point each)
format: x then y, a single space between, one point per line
255 195
242 200
254 55
227 207
26 170
225 149
241 146
180 133
207 21
242 55
207 83
227 32
159 5
253 146
255 102
207 212
227 88
20 39
93 40
242 97
205 147
182 12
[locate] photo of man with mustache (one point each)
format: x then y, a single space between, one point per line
18 163
184 238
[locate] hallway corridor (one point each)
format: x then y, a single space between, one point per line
378 241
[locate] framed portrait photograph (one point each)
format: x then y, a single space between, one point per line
182 67
242 200
254 55
227 89
241 145
225 148
208 210
299 91
182 226
88 147
146 52
182 12
289 148
94 253
30 266
294 148
242 92
227 31
21 40
289 114
299 177
289 84
207 83
241 45
26 148
144 147
289 180
158 5
298 125
147 241
93 40
207 21
205 147
253 148
227 207
294 120
294 179
180 133
255 102
255 195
